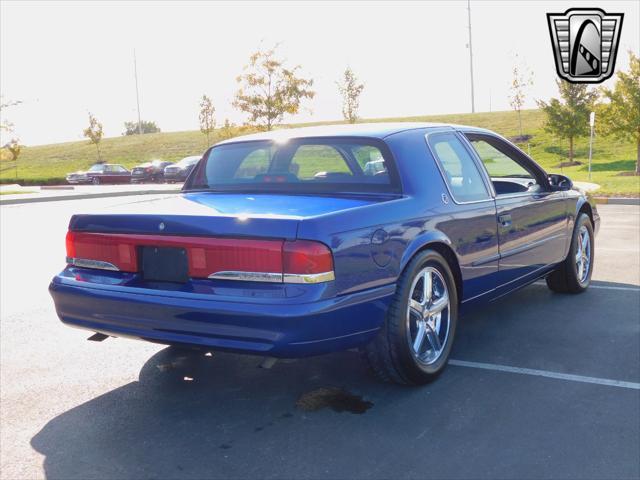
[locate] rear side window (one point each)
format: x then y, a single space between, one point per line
299 165
460 171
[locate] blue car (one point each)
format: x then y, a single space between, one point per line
300 242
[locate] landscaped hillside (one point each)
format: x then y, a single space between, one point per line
611 157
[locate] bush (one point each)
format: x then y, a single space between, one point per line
131 128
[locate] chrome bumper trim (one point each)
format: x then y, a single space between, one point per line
87 263
274 277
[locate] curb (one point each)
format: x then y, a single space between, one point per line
17 201
617 201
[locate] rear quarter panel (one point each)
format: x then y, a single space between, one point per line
372 244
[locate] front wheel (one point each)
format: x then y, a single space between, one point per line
574 274
96 180
414 344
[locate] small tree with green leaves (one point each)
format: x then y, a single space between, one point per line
268 89
350 90
206 117
621 115
522 80
569 118
94 133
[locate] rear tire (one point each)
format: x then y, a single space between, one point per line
414 344
573 275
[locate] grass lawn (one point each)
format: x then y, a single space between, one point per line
611 157
15 192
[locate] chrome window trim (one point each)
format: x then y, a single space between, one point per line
490 192
88 263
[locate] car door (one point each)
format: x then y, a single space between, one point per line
532 217
121 174
471 223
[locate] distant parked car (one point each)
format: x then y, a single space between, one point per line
100 173
149 171
178 172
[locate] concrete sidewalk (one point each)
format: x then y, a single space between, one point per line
79 192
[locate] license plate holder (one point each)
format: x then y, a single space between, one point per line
165 264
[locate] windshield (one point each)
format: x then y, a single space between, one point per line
306 165
96 168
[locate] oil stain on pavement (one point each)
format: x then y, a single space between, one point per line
336 399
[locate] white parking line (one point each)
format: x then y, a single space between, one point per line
543 373
602 287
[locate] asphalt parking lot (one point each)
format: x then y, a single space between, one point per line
542 386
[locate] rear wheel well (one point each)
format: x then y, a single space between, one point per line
449 255
586 208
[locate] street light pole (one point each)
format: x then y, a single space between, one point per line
592 123
473 102
135 73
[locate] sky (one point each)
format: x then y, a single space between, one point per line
65 59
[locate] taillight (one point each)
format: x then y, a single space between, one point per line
305 261
105 252
300 261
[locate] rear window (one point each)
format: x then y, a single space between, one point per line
308 165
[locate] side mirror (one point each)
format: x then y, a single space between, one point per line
560 182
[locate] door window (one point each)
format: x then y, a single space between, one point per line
507 175
460 170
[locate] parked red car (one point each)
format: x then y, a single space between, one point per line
101 173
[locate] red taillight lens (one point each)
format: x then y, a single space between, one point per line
300 261
304 257
71 248
101 251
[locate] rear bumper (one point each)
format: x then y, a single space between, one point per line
279 329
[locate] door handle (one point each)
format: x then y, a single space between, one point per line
505 220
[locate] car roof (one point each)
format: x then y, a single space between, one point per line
376 130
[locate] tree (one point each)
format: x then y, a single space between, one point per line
131 128
14 148
267 89
522 80
206 117
571 118
350 90
227 129
621 116
94 133
6 125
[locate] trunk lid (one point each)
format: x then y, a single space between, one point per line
216 214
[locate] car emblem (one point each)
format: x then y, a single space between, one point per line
445 199
161 226
585 43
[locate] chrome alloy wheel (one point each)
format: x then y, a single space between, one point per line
583 254
428 316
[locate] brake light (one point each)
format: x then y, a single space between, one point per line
300 261
101 251
303 261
